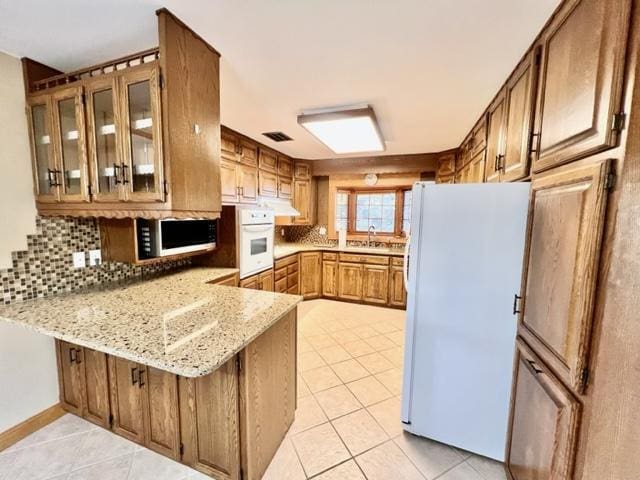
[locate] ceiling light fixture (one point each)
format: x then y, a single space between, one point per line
351 129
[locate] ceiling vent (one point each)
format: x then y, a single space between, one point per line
278 136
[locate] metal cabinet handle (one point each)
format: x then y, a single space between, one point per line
72 355
134 375
116 170
53 177
78 357
500 162
141 382
125 177
534 366
535 143
516 297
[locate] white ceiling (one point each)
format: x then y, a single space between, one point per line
428 67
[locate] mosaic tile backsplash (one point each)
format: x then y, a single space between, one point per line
311 235
46 267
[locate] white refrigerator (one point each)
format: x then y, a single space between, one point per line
464 268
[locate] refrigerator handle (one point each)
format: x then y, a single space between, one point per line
405 266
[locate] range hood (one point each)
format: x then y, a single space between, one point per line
280 207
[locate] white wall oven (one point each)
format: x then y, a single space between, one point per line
255 240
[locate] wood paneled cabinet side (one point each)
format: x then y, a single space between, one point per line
566 222
397 292
350 281
329 278
579 101
375 284
544 422
302 199
83 385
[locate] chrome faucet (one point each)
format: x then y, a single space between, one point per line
369 235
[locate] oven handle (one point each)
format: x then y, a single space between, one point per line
257 228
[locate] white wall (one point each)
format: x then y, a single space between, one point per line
27 360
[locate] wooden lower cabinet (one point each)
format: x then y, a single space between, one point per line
210 422
397 292
286 273
350 281
329 278
228 424
83 382
375 284
544 422
259 281
229 281
144 404
310 268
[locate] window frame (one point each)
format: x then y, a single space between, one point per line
351 208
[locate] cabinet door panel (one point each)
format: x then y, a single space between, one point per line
566 222
266 282
210 421
248 153
285 187
302 201
229 173
544 422
495 139
375 284
126 399
42 151
268 184
581 80
329 279
96 378
105 145
250 282
302 171
229 145
267 160
161 410
310 274
397 293
285 167
143 167
520 92
350 281
69 144
248 184
69 377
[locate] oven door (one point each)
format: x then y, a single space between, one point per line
256 249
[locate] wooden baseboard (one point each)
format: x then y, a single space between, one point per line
30 425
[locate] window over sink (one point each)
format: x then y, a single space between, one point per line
388 210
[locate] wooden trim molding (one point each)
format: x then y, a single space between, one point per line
30 425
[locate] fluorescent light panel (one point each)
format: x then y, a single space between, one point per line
345 131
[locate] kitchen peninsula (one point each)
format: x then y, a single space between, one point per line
188 368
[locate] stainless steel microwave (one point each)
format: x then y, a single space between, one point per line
161 238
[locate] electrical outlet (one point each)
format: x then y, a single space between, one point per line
322 231
79 260
282 232
95 257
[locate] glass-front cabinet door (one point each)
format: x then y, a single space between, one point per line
103 115
46 176
69 146
142 167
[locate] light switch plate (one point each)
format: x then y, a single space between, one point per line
79 260
322 231
95 257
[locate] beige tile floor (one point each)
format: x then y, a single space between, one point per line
347 423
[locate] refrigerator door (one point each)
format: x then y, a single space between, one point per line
466 256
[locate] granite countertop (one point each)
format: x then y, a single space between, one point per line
285 249
176 322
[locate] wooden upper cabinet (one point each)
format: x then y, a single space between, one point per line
248 183
248 152
45 175
566 221
476 168
285 187
267 160
478 137
495 138
210 422
447 165
285 166
105 140
229 145
302 171
310 270
70 144
520 103
268 184
580 91
544 422
302 201
142 168
229 178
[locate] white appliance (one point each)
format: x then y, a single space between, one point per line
255 239
464 268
